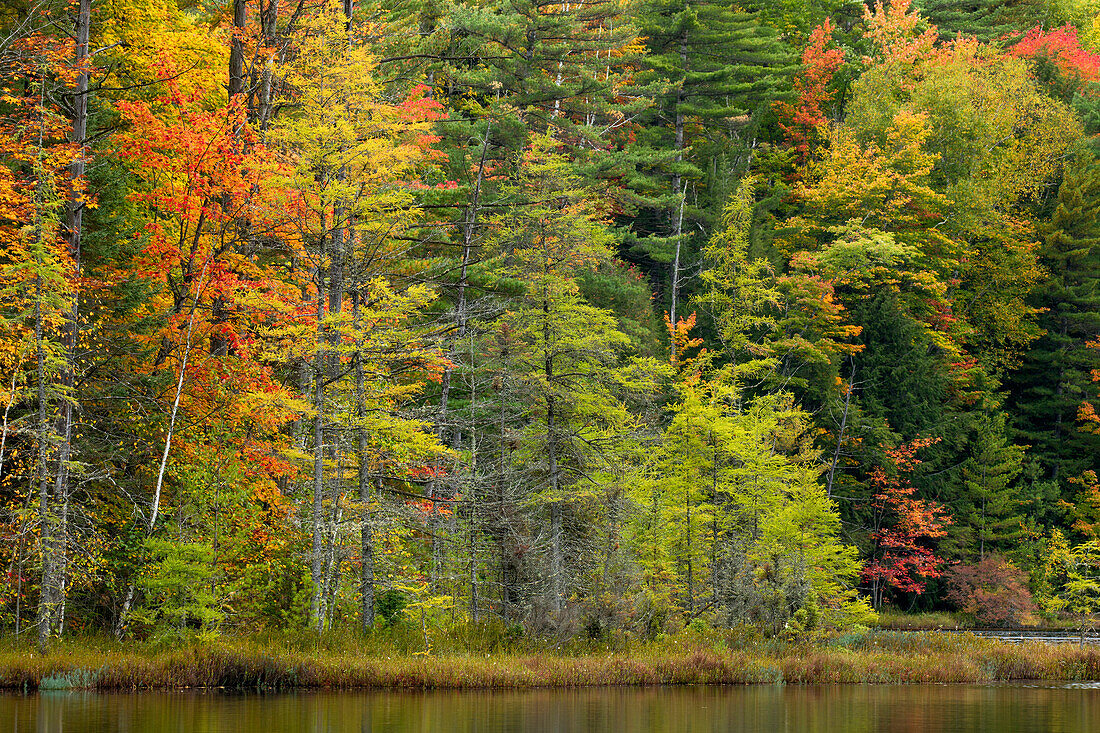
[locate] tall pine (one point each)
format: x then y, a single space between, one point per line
723 65
1054 378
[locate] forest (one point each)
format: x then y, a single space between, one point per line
572 318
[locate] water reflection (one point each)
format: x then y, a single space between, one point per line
791 709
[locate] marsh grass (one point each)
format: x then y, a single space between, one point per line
931 620
927 621
349 661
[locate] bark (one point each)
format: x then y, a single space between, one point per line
55 526
554 470
678 228
44 521
507 589
317 526
366 533
470 499
331 577
154 513
262 114
714 530
840 433
468 229
687 547
676 268
236 48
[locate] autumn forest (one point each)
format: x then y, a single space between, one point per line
571 319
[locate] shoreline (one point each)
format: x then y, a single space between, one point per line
240 664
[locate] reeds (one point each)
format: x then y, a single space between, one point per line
276 663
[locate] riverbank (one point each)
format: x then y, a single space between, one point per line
244 663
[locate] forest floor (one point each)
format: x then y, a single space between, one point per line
349 662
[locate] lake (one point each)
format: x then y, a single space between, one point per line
1006 708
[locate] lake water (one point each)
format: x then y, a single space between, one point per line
787 709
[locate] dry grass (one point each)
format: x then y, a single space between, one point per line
250 663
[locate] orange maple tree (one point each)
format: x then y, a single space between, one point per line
1063 48
801 119
903 527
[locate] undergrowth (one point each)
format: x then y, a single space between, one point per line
477 659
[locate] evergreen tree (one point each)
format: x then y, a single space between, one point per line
993 510
1055 376
990 21
724 64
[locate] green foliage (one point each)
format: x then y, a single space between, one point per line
1055 376
737 502
737 291
990 21
177 587
369 317
1072 575
722 65
390 604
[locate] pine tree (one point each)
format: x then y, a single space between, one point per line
1054 378
990 21
993 511
723 64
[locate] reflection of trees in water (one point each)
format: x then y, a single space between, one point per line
753 709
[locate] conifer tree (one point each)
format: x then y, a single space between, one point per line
723 64
1054 378
993 511
990 21
568 367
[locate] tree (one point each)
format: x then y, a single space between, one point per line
1054 377
804 119
711 93
353 157
568 352
38 285
903 525
1073 575
739 292
989 21
748 532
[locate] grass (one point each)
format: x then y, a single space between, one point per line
931 620
349 662
927 621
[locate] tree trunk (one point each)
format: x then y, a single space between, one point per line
554 478
317 519
714 528
470 499
236 49
268 17
678 228
45 523
687 548
366 534
499 519
55 526
840 433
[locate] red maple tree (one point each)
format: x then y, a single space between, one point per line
1063 48
802 118
903 527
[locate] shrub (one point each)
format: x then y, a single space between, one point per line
391 604
993 591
